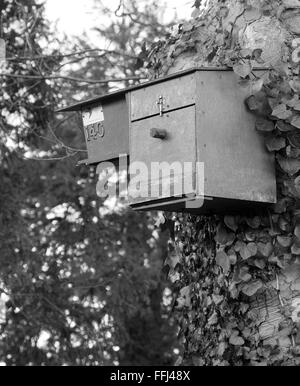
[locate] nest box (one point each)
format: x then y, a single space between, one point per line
106 126
196 117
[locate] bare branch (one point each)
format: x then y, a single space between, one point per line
50 159
82 52
60 142
72 79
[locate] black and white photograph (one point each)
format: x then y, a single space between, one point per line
150 186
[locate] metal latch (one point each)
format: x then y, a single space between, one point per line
160 104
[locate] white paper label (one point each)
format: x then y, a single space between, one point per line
92 115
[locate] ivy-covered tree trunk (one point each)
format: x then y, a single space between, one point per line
238 277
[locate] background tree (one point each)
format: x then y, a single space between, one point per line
238 288
80 283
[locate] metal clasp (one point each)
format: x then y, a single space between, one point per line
160 104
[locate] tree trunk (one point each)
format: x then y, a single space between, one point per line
247 313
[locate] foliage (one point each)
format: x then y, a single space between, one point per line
230 272
129 33
79 284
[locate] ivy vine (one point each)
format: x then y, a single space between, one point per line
227 271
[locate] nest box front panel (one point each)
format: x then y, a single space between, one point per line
163 97
106 129
168 140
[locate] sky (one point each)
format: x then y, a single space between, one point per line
76 16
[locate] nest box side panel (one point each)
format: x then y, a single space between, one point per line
108 139
237 165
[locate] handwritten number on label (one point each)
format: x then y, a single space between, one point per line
95 131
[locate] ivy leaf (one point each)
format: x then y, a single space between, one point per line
187 27
230 222
256 55
260 263
275 143
238 246
296 55
174 276
265 249
259 104
297 232
284 127
273 92
281 112
292 102
242 69
248 250
251 289
281 206
197 4
296 249
244 274
213 320
224 12
184 300
223 261
284 225
161 220
264 125
292 152
180 303
223 237
233 290
250 235
218 299
196 12
174 258
289 165
236 340
243 309
246 53
295 85
294 139
297 184
252 13
297 106
252 249
232 257
221 349
254 222
296 122
290 189
287 3
284 241
257 85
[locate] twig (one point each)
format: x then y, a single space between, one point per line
71 79
60 142
50 159
278 291
60 56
